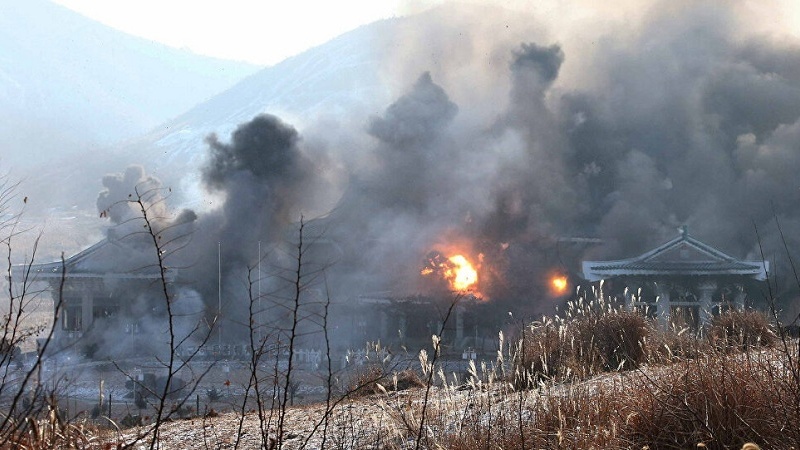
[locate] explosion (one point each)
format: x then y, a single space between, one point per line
559 284
456 270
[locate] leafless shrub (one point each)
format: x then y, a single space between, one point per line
741 330
405 379
30 411
607 339
376 379
541 352
718 399
591 338
364 380
667 346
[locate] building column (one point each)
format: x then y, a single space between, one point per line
459 323
435 327
630 297
706 301
58 319
87 311
663 305
739 298
402 325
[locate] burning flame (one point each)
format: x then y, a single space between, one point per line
465 274
559 284
459 273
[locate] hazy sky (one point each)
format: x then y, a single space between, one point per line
266 32
257 31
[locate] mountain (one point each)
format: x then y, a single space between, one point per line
340 78
68 83
71 122
341 84
329 93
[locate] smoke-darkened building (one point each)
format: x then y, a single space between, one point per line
109 290
463 321
683 282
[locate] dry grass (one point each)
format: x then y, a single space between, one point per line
375 379
720 400
733 389
742 330
51 430
598 378
591 338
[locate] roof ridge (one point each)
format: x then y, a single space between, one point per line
83 254
644 263
702 246
684 238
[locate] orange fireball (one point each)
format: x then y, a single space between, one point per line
559 284
457 270
464 274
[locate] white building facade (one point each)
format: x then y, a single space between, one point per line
682 283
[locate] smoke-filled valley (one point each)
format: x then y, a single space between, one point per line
550 224
520 142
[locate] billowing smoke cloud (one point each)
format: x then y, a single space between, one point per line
502 146
398 207
415 118
115 201
266 182
138 307
684 118
265 147
262 175
410 148
667 128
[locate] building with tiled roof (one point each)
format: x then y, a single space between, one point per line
683 282
105 281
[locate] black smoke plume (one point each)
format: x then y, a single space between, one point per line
262 175
681 116
114 201
265 180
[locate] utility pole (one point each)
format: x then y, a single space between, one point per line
219 295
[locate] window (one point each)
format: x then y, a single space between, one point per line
71 320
